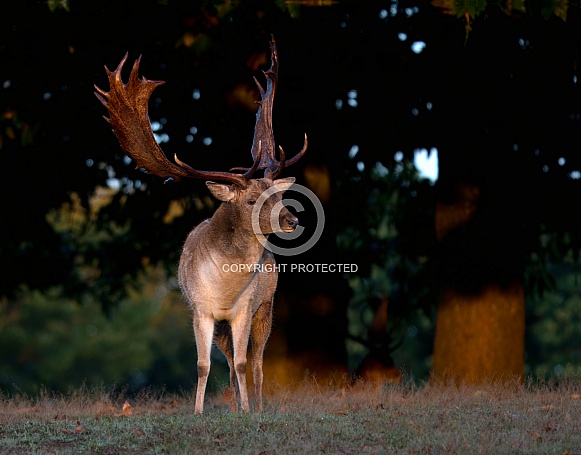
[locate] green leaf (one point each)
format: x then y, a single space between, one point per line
53 5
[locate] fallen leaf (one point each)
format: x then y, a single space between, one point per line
127 409
138 432
339 412
80 428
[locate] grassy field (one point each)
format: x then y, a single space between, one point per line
310 419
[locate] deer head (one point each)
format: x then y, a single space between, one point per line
128 115
241 204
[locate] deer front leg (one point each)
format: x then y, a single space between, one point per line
224 342
261 326
240 334
203 332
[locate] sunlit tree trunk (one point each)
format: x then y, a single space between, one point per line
481 309
480 337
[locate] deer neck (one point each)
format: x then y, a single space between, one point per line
235 235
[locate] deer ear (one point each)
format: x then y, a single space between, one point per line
284 184
221 191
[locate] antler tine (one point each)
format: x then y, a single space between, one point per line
128 115
250 171
248 174
284 164
281 162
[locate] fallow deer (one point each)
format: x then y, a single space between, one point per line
229 307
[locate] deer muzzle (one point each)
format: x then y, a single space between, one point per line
288 222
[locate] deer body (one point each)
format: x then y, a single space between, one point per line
242 297
230 307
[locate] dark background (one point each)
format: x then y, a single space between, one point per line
499 99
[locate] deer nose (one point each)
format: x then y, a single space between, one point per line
292 222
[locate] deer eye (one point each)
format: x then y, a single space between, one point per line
251 202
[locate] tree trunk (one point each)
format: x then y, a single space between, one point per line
480 337
480 319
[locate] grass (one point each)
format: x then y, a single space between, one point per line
310 419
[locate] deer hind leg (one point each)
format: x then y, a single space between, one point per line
261 326
223 339
203 332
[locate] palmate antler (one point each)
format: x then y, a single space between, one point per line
127 106
128 115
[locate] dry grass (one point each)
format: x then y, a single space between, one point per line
361 419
